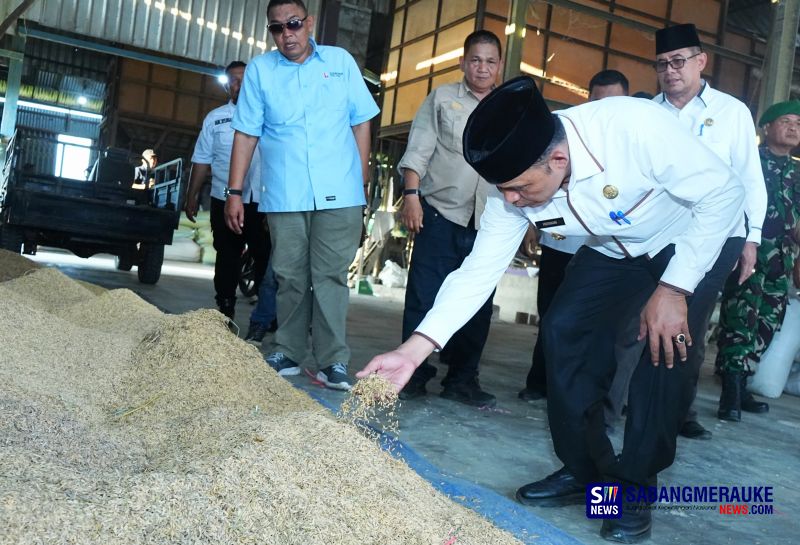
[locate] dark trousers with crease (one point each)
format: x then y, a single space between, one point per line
439 249
552 267
580 330
229 247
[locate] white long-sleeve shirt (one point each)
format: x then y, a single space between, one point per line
725 125
671 188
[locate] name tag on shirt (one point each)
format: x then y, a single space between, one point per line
554 222
223 120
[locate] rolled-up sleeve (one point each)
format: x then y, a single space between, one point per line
249 116
713 190
421 139
465 290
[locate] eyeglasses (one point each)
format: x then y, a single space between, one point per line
292 25
676 64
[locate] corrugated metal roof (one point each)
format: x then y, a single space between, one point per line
212 31
57 123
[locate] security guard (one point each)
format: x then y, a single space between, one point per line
213 150
658 206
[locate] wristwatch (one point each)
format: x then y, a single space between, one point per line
416 192
228 191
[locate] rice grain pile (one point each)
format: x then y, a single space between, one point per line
14 265
119 425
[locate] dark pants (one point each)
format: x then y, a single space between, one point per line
579 331
229 247
552 265
439 249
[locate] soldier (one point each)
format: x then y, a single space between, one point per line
751 312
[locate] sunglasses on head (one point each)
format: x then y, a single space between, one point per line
293 24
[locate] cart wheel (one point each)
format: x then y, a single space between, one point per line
11 238
247 281
152 257
123 262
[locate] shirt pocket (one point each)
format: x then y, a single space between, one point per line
331 93
721 148
223 137
451 126
281 107
633 204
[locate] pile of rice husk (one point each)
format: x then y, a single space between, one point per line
14 265
120 424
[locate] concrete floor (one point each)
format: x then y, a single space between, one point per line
508 446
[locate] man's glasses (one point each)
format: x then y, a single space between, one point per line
676 64
292 25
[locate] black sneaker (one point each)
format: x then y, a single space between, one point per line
469 393
255 333
335 376
282 364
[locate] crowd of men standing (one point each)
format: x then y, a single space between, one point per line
642 208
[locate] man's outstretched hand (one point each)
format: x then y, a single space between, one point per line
398 365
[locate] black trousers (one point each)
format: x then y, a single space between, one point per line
552 267
439 249
229 247
579 332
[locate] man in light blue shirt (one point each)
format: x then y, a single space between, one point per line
308 109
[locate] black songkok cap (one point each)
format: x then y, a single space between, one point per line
508 131
676 37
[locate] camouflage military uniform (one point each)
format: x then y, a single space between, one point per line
751 313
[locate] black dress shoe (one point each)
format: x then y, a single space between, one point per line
413 390
692 429
529 394
560 488
635 525
469 393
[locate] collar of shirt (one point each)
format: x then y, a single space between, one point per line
583 164
464 90
314 53
701 100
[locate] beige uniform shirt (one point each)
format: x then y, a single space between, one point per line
435 152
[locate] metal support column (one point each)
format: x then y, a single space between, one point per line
16 56
516 36
777 78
